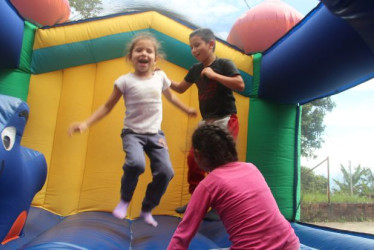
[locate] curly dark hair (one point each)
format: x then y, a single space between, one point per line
215 144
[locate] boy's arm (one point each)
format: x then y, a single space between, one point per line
180 87
102 111
231 82
174 100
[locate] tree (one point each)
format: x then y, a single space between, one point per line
368 187
353 182
85 8
311 183
312 127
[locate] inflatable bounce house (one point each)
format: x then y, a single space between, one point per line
58 191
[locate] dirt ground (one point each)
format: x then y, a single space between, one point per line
362 227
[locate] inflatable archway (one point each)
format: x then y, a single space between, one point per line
64 72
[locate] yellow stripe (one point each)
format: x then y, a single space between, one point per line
103 27
91 30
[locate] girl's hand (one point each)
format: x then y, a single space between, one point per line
77 127
192 112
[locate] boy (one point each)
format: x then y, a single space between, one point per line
215 78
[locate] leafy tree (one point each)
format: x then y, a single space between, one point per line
312 183
85 8
368 187
353 182
312 127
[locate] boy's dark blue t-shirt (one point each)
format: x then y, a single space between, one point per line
215 99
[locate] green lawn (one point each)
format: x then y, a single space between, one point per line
334 198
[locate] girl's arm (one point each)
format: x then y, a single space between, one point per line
100 113
174 100
232 82
197 207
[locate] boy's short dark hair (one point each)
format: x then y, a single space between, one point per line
206 34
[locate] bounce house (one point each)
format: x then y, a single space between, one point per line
58 191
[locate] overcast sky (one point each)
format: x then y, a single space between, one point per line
349 134
219 15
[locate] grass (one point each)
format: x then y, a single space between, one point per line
311 214
334 198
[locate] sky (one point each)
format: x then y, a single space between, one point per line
218 15
349 133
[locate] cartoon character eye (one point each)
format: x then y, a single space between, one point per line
8 137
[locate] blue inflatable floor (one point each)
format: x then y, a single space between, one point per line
100 230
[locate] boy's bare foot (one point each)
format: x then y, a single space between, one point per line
148 218
121 210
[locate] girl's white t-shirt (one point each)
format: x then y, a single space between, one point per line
143 101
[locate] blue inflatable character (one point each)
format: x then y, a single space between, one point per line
22 171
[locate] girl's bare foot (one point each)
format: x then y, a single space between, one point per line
121 210
148 218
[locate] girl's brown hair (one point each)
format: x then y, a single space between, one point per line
148 36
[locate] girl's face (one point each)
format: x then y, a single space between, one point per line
200 49
143 57
201 161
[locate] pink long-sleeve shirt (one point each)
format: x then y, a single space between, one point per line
246 206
